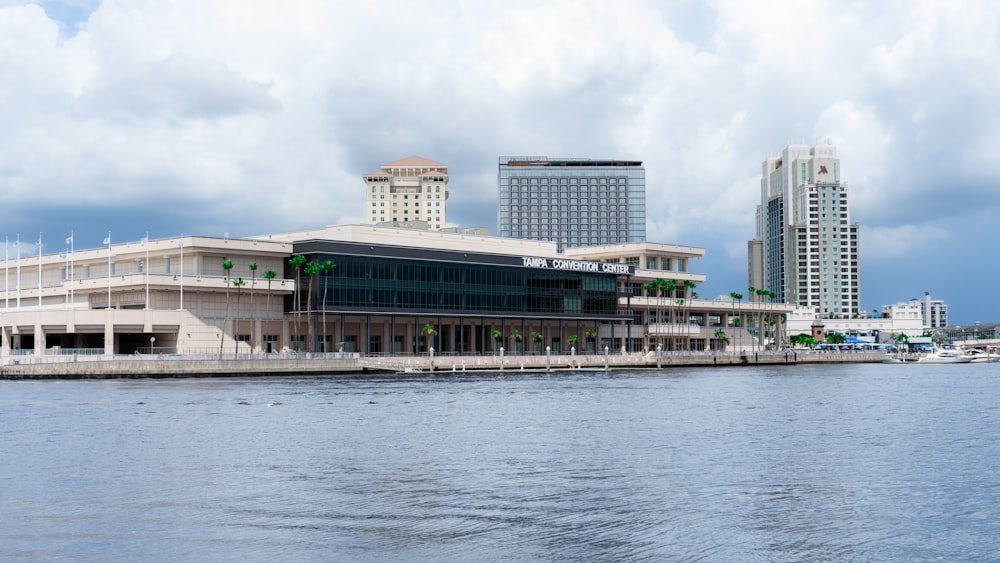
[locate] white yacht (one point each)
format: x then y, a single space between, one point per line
982 357
945 356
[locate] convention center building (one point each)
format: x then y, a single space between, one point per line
366 289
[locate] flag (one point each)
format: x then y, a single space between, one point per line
69 239
180 244
107 240
144 239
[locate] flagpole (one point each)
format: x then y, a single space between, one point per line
18 280
181 244
108 241
145 242
39 270
72 300
6 273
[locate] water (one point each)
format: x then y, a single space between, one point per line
804 463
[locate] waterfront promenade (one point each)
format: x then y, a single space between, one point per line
176 365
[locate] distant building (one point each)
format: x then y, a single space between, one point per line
934 312
572 202
407 190
806 248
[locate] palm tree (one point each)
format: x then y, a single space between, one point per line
650 289
297 262
254 314
690 285
536 337
497 335
655 288
591 334
269 276
903 339
761 325
737 303
325 266
311 271
515 335
782 328
720 335
430 331
572 340
238 283
668 289
751 291
226 265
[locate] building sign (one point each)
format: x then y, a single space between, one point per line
578 266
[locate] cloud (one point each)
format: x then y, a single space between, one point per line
880 243
179 87
267 115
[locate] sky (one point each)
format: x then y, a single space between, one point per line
229 118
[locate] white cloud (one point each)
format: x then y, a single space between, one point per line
272 111
904 241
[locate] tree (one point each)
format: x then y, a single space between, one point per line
297 262
311 271
836 338
657 287
238 283
737 304
939 337
430 331
720 335
590 334
325 266
667 289
227 265
572 340
536 337
692 295
269 276
802 340
515 335
254 313
770 299
497 335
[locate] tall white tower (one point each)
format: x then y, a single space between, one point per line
411 190
806 248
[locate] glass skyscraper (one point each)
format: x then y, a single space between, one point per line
570 201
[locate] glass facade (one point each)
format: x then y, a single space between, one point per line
424 285
572 202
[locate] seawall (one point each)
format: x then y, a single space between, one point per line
157 367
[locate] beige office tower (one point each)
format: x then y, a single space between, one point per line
412 192
806 248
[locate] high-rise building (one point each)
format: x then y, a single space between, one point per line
934 312
806 248
413 189
572 202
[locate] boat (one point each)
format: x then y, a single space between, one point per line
893 359
945 356
982 357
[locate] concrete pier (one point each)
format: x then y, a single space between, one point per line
154 366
